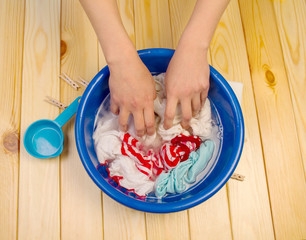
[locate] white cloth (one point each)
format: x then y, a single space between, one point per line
106 138
200 124
132 178
108 144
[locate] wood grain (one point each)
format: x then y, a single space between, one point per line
153 30
207 218
126 9
52 199
284 166
180 13
211 219
152 24
39 208
11 48
291 24
250 210
81 206
121 222
167 226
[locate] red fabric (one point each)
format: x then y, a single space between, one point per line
170 154
117 180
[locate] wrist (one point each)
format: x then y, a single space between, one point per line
191 42
193 36
192 45
121 55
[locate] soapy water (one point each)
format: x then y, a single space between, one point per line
216 136
103 109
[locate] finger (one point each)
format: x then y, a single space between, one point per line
154 92
170 112
139 123
186 112
114 107
149 120
203 98
123 119
196 104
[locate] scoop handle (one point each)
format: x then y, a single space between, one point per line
68 112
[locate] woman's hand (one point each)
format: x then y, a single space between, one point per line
133 92
131 85
187 83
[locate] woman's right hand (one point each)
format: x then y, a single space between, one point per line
132 90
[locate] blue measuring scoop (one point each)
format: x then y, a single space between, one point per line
44 138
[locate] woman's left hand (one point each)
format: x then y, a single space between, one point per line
187 83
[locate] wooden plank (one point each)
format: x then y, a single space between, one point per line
126 9
11 47
284 166
167 226
249 200
152 24
121 222
180 13
38 213
153 29
207 218
81 206
291 23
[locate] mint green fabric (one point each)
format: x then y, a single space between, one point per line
177 179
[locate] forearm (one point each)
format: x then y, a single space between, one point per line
203 22
105 19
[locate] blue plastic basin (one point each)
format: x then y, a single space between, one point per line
227 106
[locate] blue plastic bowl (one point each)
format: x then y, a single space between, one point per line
230 114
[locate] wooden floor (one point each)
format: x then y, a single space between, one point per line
260 43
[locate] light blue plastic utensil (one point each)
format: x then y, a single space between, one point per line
44 138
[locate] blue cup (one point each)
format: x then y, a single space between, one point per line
44 138
228 108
